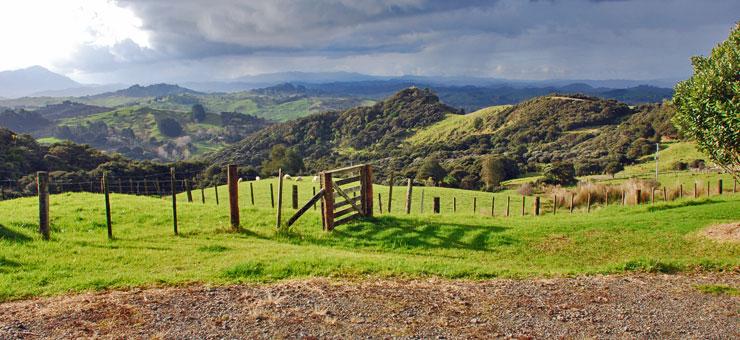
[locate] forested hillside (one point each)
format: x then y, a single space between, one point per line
412 130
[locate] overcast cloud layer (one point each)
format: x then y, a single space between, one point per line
515 39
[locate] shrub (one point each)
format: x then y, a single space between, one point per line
679 165
561 173
169 127
697 164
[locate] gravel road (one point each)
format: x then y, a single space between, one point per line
617 306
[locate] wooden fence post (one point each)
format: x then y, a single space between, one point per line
295 196
367 184
493 205
390 192
680 191
588 202
695 192
146 187
475 205
719 186
508 204
421 205
409 189
159 188
624 198
202 195
380 203
638 194
107 206
280 198
120 187
734 186
536 211
272 196
138 188
523 199
436 205
606 197
665 194
215 192
707 188
130 186
454 204
314 193
572 198
652 195
174 199
327 204
232 181
42 188
251 192
187 188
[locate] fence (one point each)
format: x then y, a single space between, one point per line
345 194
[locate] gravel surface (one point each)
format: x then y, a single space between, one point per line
631 306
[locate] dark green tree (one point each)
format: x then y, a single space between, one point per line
284 158
613 167
708 103
199 113
169 127
496 169
562 173
431 169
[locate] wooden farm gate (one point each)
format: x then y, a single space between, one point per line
347 194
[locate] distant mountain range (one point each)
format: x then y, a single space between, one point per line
37 81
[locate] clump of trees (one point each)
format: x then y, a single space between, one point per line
284 158
560 173
707 104
198 113
169 127
496 169
432 171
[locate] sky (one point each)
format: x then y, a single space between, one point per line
146 41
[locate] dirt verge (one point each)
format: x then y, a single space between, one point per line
641 305
727 232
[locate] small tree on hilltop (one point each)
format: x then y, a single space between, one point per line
284 158
496 169
431 169
613 167
708 103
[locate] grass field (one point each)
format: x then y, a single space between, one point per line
463 244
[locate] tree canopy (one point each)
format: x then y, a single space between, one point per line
708 103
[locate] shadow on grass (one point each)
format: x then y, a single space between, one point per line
11 235
668 206
409 233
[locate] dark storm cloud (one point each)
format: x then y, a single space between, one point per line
506 38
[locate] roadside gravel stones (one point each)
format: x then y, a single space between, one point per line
619 306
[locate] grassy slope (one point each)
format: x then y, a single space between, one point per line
453 125
459 245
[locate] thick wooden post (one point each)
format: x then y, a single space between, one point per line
421 205
508 204
187 188
588 202
493 204
719 186
475 204
42 188
454 204
174 199
232 180
390 192
638 194
436 205
523 203
251 192
624 198
380 203
272 196
202 195
680 191
107 206
294 196
215 192
652 195
536 211
367 175
696 193
280 199
409 189
327 204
